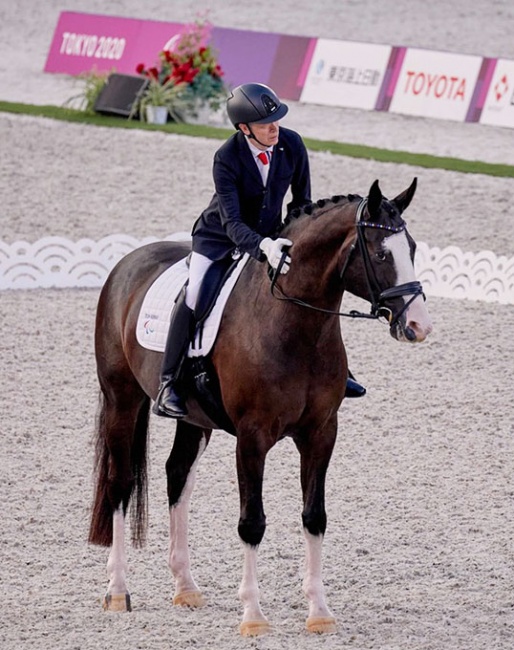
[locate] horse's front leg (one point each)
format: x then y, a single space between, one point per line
320 618
252 525
189 445
315 452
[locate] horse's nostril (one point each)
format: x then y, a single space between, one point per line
410 334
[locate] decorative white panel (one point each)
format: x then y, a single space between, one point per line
451 273
59 262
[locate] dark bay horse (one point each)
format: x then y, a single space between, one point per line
282 369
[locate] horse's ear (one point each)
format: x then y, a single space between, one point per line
374 199
403 200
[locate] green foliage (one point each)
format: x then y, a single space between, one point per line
92 85
208 89
168 94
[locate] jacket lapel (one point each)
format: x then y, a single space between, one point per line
247 158
276 158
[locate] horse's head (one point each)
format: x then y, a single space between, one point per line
385 261
362 246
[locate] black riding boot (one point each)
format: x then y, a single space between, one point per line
169 403
353 388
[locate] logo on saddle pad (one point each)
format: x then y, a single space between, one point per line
155 314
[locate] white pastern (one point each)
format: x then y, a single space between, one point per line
179 560
117 562
313 582
417 317
249 588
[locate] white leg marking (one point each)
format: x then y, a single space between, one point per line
313 581
117 563
249 588
179 560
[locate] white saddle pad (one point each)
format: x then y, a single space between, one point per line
154 317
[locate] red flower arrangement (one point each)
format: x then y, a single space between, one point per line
193 64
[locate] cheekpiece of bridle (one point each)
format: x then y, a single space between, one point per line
377 296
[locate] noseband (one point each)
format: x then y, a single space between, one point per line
377 297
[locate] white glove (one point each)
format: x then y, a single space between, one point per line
272 248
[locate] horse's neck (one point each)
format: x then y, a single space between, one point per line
266 306
320 247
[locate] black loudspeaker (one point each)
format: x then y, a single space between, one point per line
119 94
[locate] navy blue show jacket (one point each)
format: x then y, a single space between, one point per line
243 211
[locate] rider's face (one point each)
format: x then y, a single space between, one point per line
266 134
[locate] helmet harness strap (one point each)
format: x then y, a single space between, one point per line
252 136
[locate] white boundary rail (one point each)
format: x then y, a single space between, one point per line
56 262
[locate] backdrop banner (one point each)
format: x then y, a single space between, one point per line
346 74
498 107
357 75
435 84
88 42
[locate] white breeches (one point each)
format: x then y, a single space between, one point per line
198 265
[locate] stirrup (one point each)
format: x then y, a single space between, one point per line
354 389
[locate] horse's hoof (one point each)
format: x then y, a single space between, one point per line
189 599
321 624
254 628
117 603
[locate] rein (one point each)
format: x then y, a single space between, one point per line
378 297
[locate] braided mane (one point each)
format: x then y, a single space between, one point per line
313 208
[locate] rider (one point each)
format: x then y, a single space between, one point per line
244 214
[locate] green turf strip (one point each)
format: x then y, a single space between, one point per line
337 148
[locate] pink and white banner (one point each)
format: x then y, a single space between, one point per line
321 71
435 84
346 74
86 42
498 108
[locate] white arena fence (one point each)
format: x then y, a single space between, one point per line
56 262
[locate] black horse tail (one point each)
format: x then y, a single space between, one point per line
112 488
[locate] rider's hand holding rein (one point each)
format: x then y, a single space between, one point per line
273 249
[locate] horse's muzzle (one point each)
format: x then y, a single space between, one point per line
414 325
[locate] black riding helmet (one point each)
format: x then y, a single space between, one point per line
254 102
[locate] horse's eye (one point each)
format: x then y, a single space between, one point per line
381 256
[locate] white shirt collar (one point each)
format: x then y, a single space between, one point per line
255 151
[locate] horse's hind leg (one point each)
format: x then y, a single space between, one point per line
190 443
117 596
121 476
315 451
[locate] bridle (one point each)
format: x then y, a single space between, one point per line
377 296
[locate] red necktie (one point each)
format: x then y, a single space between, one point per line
263 157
